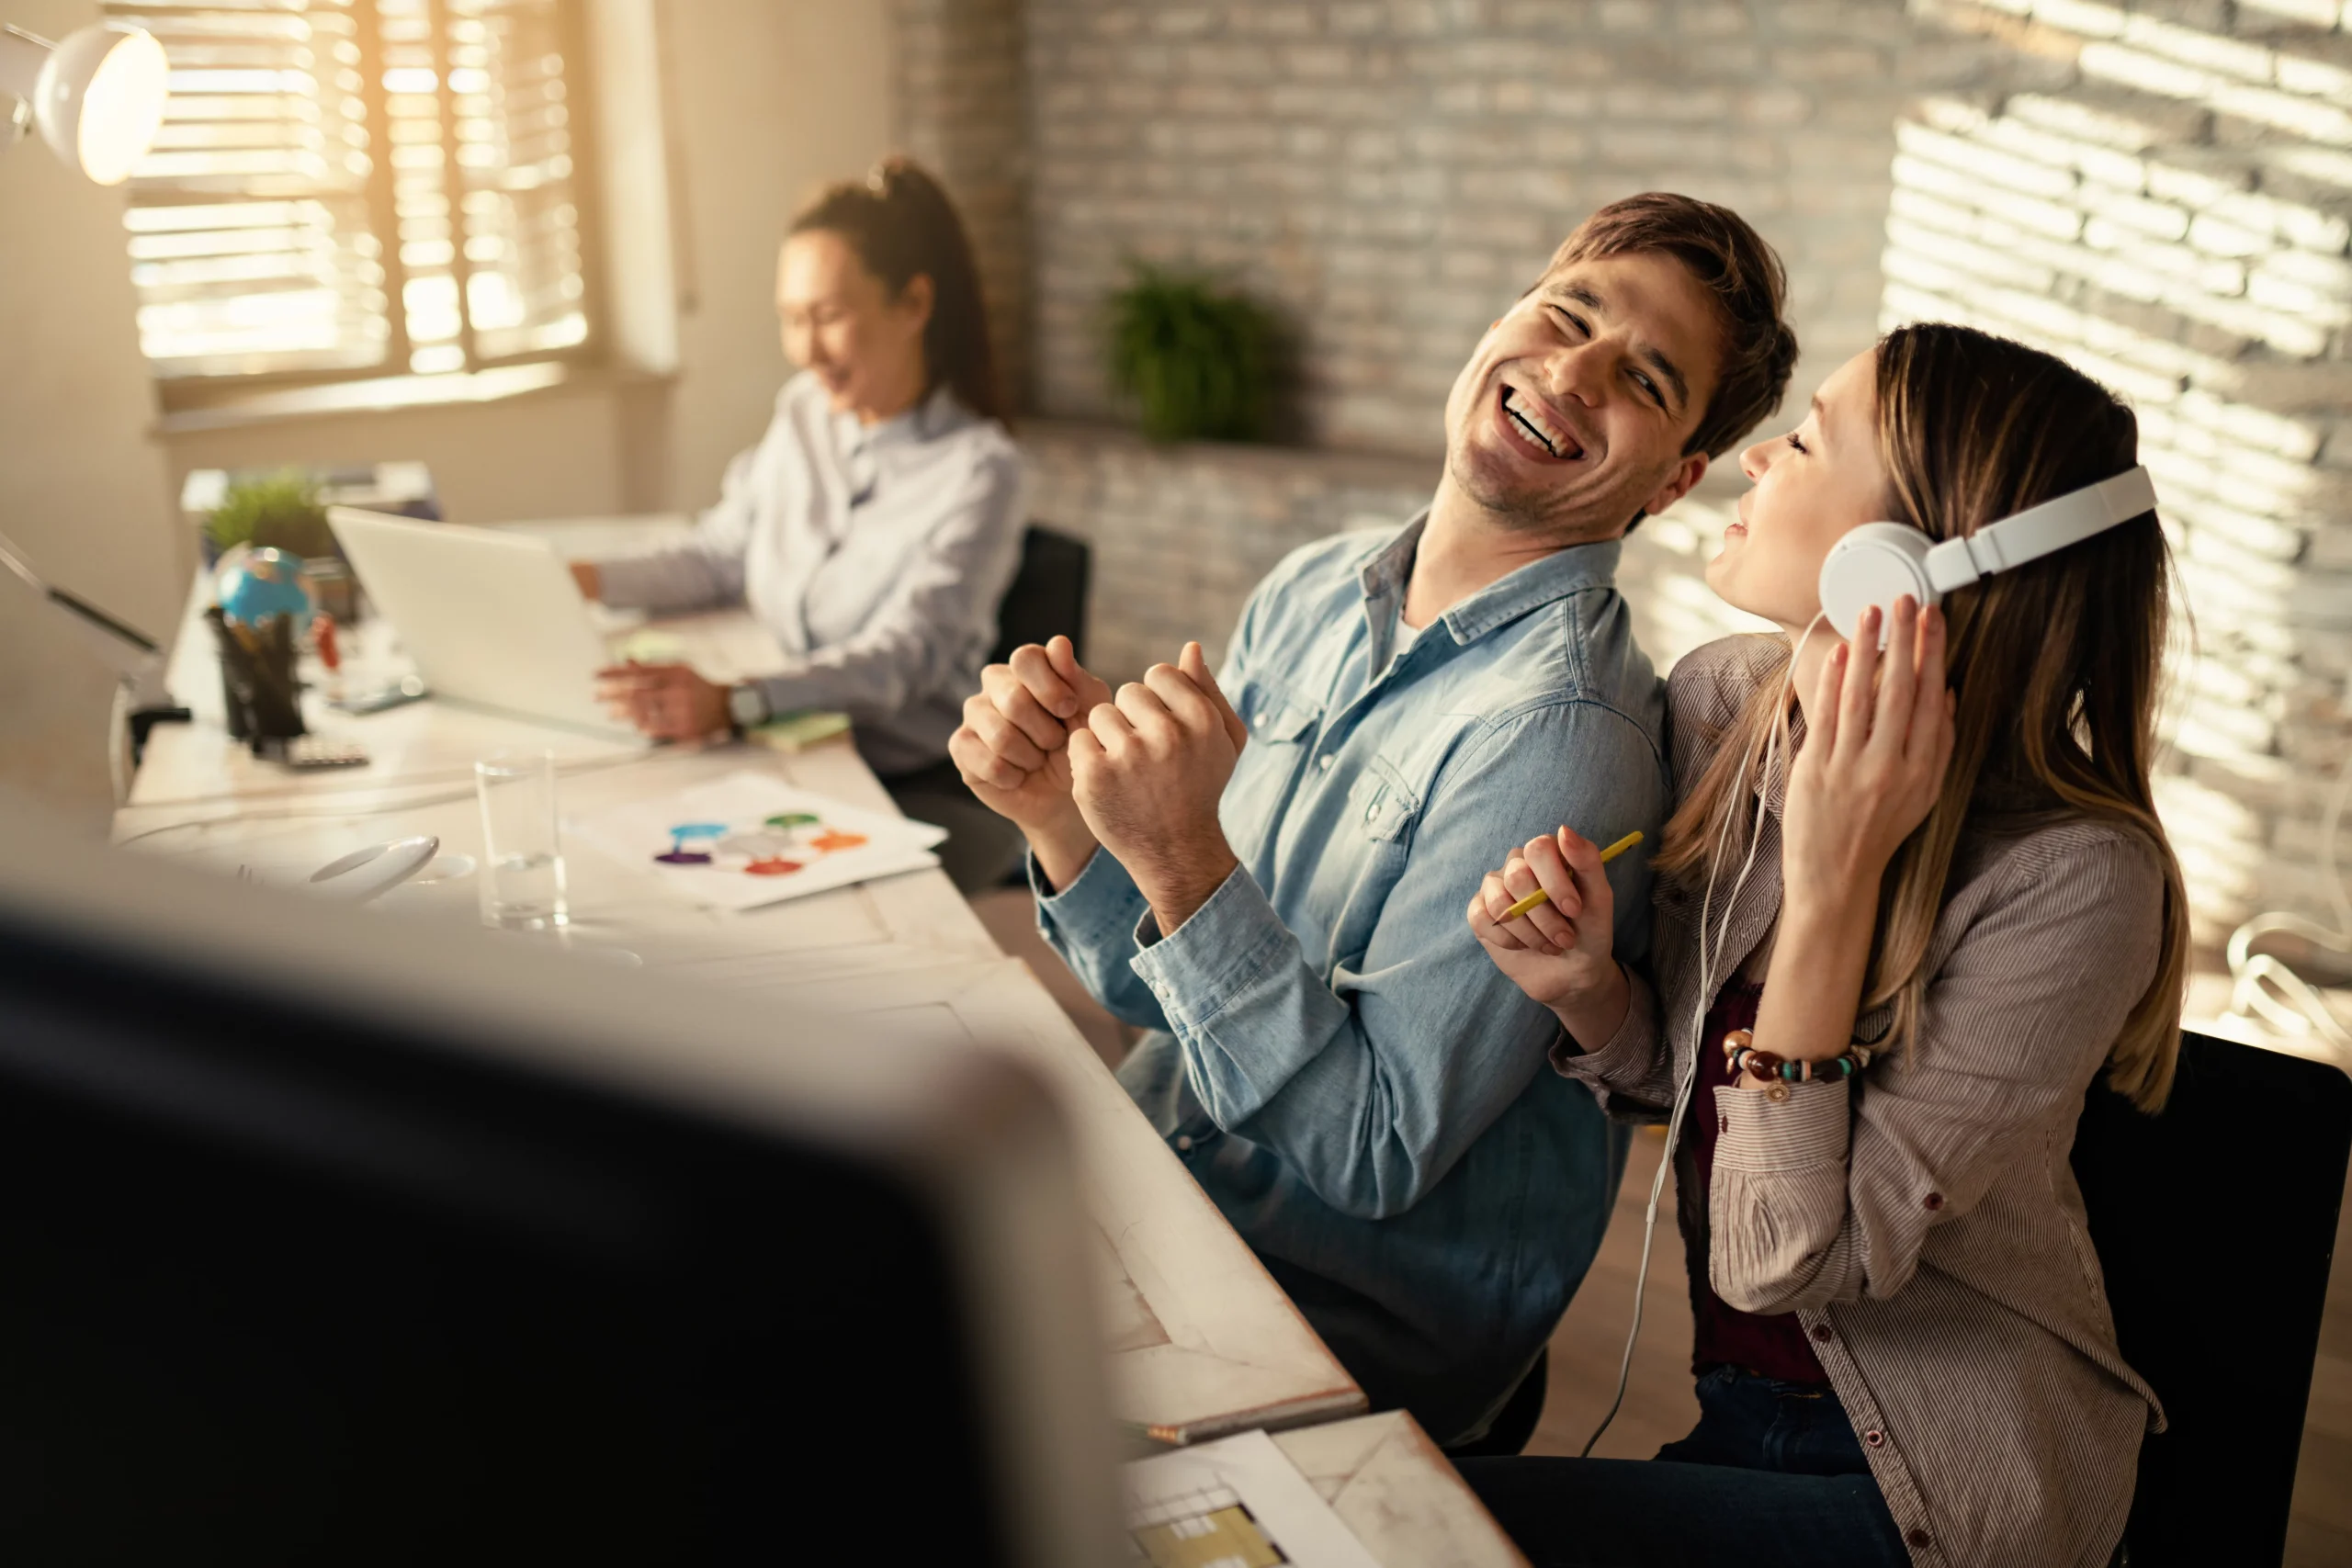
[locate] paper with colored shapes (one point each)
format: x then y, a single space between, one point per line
749 839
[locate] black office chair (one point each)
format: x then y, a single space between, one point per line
1048 594
2215 1223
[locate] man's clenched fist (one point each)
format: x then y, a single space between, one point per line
1012 749
1147 773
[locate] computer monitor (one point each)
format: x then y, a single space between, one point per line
327 1238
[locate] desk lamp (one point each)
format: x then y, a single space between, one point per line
97 97
98 100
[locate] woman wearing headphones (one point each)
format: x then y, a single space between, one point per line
1885 973
875 525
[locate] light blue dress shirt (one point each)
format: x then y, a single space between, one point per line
1357 1087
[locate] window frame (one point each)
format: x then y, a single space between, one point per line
177 394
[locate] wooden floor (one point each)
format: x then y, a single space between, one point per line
1591 1339
1658 1404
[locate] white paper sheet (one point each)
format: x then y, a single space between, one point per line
749 839
1195 1492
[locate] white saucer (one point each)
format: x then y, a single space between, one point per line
370 873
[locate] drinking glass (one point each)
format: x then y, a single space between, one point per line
522 879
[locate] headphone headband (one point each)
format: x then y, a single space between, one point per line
1879 562
2041 530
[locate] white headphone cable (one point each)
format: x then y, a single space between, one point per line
2264 988
1682 1093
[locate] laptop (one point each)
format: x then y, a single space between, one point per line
492 619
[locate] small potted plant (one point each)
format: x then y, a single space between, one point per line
270 511
1198 360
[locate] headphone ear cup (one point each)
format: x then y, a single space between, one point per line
1874 564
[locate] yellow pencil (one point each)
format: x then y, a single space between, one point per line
1540 897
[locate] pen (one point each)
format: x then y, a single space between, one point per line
1540 897
1150 1433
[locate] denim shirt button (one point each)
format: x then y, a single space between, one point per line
1323 764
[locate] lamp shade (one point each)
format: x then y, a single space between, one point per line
97 97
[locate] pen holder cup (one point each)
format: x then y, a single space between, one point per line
328 580
258 690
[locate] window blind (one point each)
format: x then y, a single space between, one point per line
348 187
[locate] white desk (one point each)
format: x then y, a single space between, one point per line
1391 1486
1203 1341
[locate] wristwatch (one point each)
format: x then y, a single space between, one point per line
747 705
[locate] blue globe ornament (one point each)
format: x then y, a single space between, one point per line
257 583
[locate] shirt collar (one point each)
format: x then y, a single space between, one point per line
929 417
1531 587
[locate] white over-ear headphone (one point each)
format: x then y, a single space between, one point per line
1879 562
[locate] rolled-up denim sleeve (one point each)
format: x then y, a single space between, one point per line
1093 921
1371 1085
1091 925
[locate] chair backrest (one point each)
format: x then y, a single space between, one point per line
2215 1223
1048 594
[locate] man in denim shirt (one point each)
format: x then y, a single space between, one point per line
1281 902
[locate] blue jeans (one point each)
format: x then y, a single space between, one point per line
1772 1477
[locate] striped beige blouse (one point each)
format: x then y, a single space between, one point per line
1924 1223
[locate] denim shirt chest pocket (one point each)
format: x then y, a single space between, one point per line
1282 727
1275 716
1387 807
1369 849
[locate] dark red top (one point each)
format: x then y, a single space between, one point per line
1773 1346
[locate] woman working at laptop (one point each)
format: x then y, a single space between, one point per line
876 524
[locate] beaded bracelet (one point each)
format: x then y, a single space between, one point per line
1739 1050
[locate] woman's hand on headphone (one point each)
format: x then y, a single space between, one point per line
1878 743
1558 952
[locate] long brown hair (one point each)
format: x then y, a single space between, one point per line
903 226
2057 664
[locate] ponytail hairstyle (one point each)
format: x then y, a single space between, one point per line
903 226
2056 664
